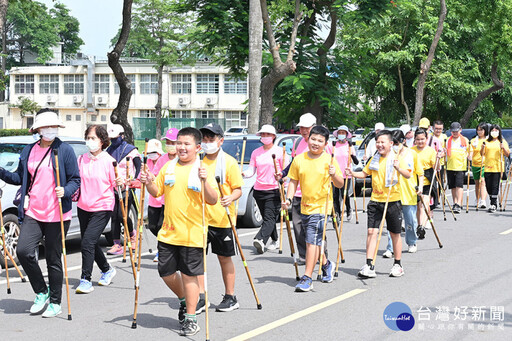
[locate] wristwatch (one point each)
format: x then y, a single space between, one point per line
289 200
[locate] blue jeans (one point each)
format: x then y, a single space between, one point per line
409 212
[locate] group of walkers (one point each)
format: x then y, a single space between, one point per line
188 193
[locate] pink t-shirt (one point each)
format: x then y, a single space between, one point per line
43 204
342 152
262 161
98 182
155 168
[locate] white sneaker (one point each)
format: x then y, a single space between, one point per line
258 244
412 249
396 271
367 272
274 244
482 204
387 254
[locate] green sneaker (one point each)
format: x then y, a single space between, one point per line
40 303
52 310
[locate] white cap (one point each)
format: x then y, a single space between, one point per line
155 145
344 128
379 126
405 128
115 130
307 120
267 128
46 119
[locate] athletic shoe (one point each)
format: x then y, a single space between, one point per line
492 209
482 204
412 249
273 245
133 241
396 271
116 249
181 313
85 287
52 310
156 258
456 208
258 244
420 232
106 277
189 328
301 261
201 306
387 254
350 214
305 284
367 272
327 272
40 302
229 303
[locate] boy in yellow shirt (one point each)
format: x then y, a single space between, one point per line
457 151
180 240
220 235
382 168
314 170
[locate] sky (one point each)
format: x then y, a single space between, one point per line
99 22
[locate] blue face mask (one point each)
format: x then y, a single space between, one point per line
116 142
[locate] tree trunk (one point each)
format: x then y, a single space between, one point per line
279 69
402 97
158 106
4 56
255 56
425 66
498 85
120 113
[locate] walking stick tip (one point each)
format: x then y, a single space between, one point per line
259 306
134 325
8 291
217 178
273 156
336 274
297 278
318 277
145 160
440 246
124 260
245 138
114 163
343 261
146 140
69 317
24 280
56 152
280 252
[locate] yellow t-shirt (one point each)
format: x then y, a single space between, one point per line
492 156
315 182
379 189
408 194
426 160
475 147
182 224
216 214
457 161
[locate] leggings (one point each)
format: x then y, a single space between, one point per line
117 215
92 225
155 219
492 183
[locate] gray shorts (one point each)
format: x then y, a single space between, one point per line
313 225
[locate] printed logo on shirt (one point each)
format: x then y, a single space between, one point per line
227 239
167 227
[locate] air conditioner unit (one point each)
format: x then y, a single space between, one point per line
51 99
101 100
211 101
183 101
78 99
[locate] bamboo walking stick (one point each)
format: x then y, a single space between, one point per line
244 142
507 188
501 175
205 245
482 180
137 236
447 201
235 234
430 220
467 190
381 226
364 187
282 214
345 186
126 233
289 230
63 236
353 189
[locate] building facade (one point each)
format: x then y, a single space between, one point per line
85 92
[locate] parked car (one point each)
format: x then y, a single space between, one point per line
248 213
236 131
10 149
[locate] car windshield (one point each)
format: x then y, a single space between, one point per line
235 130
234 148
10 155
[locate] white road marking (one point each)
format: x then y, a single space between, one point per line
506 232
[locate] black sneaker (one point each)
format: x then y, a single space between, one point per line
456 208
229 303
201 305
420 232
189 328
181 313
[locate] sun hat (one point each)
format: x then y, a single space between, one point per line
267 128
46 119
307 120
345 128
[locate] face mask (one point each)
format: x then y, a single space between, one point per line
396 149
342 137
153 156
92 145
495 133
49 134
266 140
210 148
36 136
171 149
116 142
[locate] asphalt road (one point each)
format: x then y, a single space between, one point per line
460 291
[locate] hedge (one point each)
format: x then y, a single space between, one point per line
14 132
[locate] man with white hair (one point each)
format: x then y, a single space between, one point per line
371 148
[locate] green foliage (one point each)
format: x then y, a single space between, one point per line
26 106
68 28
14 132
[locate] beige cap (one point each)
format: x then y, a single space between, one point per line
155 145
267 128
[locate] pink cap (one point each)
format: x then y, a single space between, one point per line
172 134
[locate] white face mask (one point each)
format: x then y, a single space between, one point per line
171 149
36 136
342 137
153 156
49 134
93 145
495 133
210 148
396 149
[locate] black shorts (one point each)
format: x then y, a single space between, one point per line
455 179
222 241
172 258
393 215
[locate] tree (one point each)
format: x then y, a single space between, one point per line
68 28
26 106
255 62
120 113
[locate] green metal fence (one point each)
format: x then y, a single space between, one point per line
146 127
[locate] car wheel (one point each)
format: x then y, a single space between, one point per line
252 217
12 233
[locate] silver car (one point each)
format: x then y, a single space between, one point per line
248 213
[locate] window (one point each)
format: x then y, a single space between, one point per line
78 117
103 118
132 80
147 113
101 84
181 113
74 84
148 84
234 86
48 84
93 118
181 84
208 114
68 117
207 84
24 84
235 119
